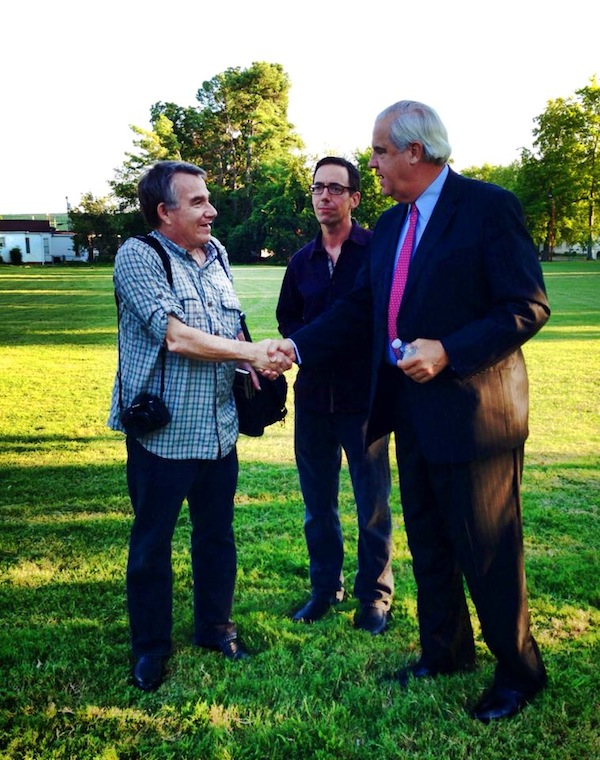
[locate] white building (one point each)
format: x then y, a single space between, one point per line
38 242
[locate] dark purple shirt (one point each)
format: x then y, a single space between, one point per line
307 291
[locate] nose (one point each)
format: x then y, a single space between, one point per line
372 161
211 211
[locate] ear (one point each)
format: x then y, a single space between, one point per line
163 213
415 152
355 199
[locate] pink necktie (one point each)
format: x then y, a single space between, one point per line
401 273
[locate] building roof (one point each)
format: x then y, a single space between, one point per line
25 225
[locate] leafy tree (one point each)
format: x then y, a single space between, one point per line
541 192
160 144
503 176
100 228
238 133
281 219
258 174
244 122
563 171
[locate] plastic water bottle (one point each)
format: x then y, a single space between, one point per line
403 350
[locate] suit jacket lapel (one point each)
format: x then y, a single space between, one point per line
388 246
428 249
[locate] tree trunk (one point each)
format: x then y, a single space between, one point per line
590 252
546 252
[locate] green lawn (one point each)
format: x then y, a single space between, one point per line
309 692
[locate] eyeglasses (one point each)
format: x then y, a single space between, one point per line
333 187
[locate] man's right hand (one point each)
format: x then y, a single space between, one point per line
285 347
269 360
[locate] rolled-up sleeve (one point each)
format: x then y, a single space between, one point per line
143 289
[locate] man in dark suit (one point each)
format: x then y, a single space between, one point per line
454 393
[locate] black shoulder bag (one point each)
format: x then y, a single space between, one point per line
256 409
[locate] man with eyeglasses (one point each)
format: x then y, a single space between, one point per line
331 405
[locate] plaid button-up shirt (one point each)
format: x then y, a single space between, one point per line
197 393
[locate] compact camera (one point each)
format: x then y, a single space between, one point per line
145 414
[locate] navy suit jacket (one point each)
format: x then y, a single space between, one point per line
475 284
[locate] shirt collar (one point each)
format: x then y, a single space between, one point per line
429 197
353 235
210 248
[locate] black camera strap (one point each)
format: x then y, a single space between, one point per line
153 243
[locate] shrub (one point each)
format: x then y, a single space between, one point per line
16 257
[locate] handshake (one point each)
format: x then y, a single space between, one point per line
272 357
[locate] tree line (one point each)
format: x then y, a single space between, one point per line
259 172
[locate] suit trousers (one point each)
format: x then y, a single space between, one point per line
157 488
463 521
319 439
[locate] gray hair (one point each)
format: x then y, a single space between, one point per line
156 187
416 122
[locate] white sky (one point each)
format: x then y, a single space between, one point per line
75 76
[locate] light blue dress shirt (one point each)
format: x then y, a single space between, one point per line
425 204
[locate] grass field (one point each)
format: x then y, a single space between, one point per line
309 692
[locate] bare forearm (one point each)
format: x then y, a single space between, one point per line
196 344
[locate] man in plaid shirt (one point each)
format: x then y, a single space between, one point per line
193 457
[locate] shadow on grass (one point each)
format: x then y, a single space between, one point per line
59 517
39 491
17 443
77 338
568 335
64 637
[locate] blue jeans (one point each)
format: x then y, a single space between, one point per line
319 439
157 488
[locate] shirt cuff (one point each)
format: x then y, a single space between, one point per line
298 359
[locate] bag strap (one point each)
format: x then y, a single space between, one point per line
153 243
243 324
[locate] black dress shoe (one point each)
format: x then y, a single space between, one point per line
148 672
371 619
499 702
313 610
229 646
419 670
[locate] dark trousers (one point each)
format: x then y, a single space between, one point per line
319 439
157 488
464 521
